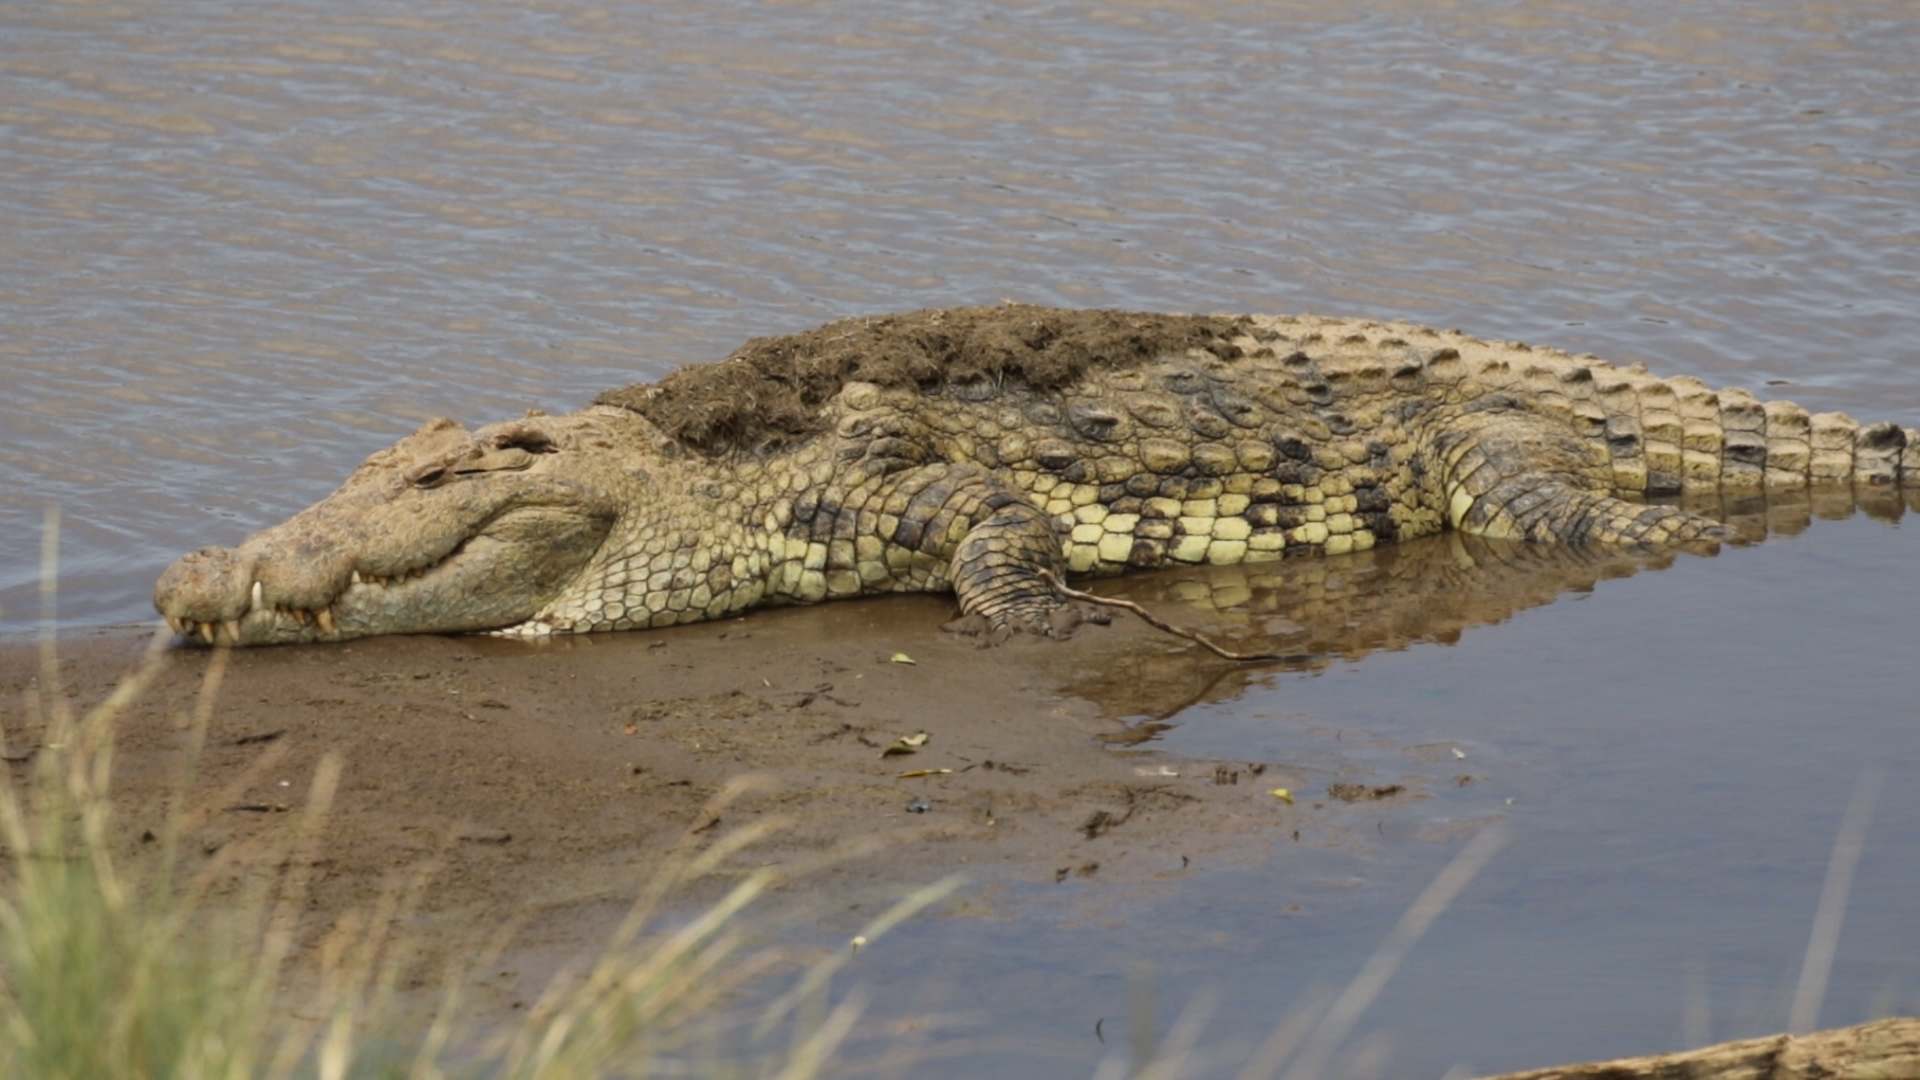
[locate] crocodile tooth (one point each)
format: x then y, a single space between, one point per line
324 616
232 627
356 577
177 624
205 630
302 616
258 600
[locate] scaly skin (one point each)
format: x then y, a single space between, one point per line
1324 435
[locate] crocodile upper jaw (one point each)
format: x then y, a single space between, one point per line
497 578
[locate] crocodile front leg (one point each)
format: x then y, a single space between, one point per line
994 543
930 527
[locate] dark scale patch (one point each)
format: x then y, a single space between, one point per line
1623 444
846 524
1096 421
1236 410
1078 471
825 517
1407 411
1746 449
1055 455
805 506
768 394
1293 448
1884 435
1186 382
1294 472
1147 553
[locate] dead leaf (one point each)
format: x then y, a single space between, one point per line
906 744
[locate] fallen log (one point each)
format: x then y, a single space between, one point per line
1882 1050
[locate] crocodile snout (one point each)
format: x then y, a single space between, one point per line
211 594
208 587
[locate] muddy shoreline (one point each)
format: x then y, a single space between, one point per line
541 783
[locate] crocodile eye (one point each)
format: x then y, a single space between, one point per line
428 476
533 442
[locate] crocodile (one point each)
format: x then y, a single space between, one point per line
984 450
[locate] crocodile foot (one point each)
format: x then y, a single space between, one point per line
1058 622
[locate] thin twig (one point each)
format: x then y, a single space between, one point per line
1159 624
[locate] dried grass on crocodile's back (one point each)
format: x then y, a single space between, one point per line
769 392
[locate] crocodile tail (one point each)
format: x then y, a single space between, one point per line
1678 435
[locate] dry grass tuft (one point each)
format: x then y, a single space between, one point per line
115 972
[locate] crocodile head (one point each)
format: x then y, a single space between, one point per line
447 531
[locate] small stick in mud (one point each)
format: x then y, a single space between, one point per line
1159 624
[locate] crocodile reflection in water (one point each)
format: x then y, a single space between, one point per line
1433 589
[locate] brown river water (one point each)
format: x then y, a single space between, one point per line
243 245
